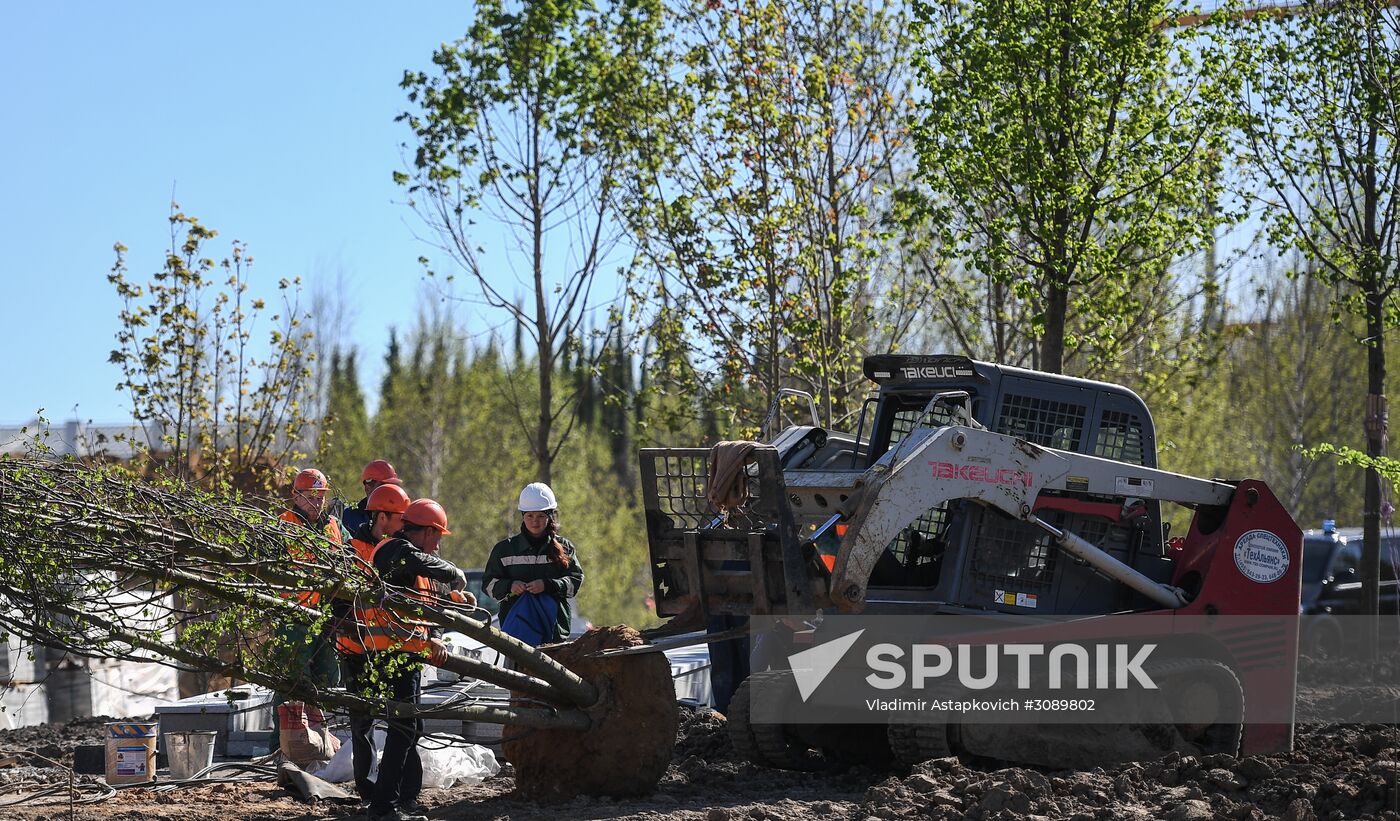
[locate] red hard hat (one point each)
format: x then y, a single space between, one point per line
388 498
310 479
380 471
427 513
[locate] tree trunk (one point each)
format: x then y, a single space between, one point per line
546 364
1052 347
545 347
1376 424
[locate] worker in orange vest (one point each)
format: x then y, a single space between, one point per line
397 646
384 510
312 657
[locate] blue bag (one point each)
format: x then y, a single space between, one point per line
532 618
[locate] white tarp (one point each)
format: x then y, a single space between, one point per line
443 764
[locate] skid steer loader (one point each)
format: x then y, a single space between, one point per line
970 488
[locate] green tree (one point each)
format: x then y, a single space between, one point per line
492 459
514 131
1068 152
1321 137
759 181
217 408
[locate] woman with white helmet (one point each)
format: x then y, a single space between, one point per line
535 573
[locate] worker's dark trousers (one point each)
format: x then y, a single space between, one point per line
729 660
361 725
400 769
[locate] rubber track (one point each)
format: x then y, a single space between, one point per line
1222 675
914 744
765 744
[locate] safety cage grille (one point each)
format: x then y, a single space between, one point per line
1042 421
1120 438
675 483
1013 554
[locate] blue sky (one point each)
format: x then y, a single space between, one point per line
272 123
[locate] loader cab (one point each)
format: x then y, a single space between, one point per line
961 556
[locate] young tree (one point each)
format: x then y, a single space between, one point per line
1069 152
516 127
1321 136
758 186
215 408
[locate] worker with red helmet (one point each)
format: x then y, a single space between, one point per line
312 657
396 646
386 505
375 475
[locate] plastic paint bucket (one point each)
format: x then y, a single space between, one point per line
131 751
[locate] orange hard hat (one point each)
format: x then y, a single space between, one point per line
380 471
388 498
427 513
310 479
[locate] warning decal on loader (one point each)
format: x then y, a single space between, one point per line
1014 599
1261 556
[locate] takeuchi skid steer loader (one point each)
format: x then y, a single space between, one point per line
973 488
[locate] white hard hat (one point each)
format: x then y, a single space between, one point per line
536 497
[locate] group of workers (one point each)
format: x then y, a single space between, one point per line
374 650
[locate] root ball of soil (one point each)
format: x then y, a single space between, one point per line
627 750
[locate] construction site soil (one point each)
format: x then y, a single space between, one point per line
1335 771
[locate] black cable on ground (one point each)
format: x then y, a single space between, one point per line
57 794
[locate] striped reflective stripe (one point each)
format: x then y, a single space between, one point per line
509 561
378 628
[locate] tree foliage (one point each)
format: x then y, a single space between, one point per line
1068 154
217 406
1321 137
758 185
514 128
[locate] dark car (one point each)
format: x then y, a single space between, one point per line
1332 584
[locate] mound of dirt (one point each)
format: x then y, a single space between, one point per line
703 733
53 741
1335 772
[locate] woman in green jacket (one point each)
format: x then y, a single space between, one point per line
536 570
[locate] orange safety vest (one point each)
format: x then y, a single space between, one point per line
298 555
378 628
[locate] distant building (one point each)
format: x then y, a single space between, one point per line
118 441
41 684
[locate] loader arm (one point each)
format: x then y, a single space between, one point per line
935 465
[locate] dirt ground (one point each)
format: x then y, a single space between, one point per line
1334 772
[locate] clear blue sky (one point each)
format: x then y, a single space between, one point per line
272 122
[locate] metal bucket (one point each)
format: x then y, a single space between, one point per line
189 753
